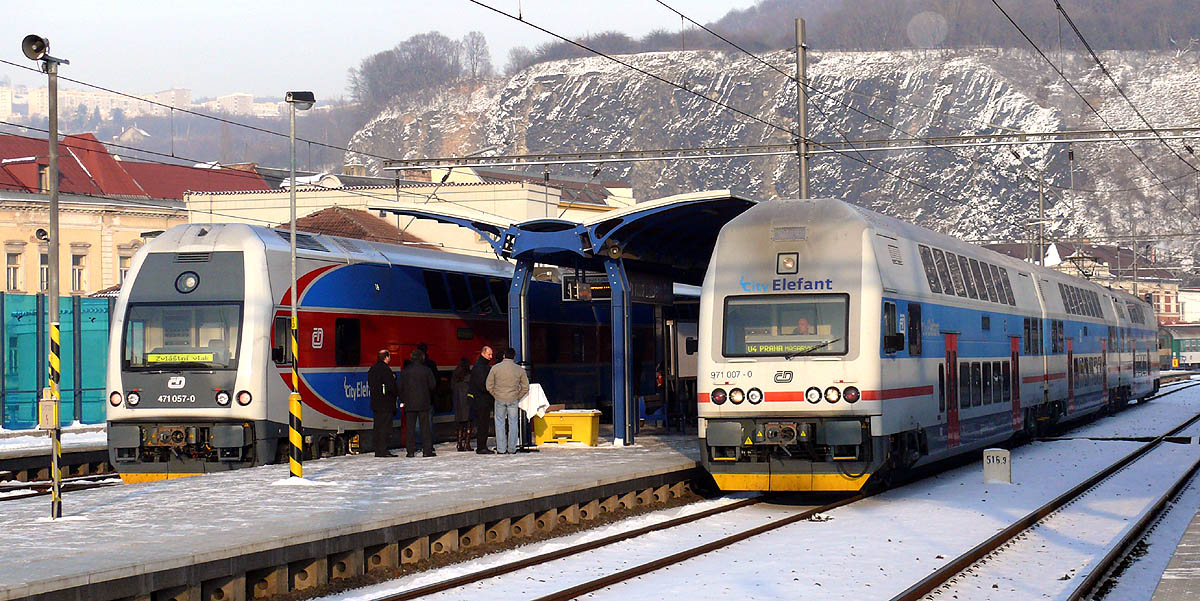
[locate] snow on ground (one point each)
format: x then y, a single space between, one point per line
878 547
1049 562
23 445
157 525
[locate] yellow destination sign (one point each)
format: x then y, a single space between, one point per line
178 357
778 348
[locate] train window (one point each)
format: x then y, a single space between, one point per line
985 323
931 274
976 385
1004 283
979 283
989 282
500 293
281 347
997 382
347 342
995 272
939 261
956 274
987 383
1006 378
1062 293
889 328
459 294
1039 342
972 291
435 286
479 292
914 329
941 388
964 385
781 325
1027 336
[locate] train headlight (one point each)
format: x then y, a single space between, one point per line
223 398
813 395
736 396
851 394
787 263
718 396
244 398
832 394
755 396
115 399
187 282
133 398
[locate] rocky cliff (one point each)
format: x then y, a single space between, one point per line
594 104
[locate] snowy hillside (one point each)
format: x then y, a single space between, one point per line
594 104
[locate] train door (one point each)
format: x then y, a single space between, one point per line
1104 367
1070 376
952 434
1015 380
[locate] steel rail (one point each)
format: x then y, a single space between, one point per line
670 560
943 575
1134 534
528 562
37 489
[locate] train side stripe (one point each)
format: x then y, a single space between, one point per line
867 395
1039 378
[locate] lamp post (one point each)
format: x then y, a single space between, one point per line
297 101
35 48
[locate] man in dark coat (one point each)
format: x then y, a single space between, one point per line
416 384
481 400
382 384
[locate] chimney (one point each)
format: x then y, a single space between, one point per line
354 169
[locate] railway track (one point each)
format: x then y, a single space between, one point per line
35 465
970 560
25 490
931 583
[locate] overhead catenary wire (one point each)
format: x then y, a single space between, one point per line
196 113
1088 103
1108 74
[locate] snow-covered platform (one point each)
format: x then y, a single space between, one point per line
1181 580
255 527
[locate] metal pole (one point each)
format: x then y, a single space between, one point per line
1042 219
802 105
295 425
52 251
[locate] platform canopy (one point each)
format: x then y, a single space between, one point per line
672 237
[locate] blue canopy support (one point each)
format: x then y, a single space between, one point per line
668 238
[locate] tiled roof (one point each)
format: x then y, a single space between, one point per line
172 181
23 175
351 223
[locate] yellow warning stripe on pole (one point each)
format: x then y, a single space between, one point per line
55 433
295 426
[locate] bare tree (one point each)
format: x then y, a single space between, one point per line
476 58
519 57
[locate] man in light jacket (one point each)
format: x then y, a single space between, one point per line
508 383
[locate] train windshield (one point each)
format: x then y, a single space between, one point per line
171 336
762 326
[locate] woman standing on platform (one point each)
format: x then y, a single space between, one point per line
459 383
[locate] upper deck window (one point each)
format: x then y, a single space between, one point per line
779 325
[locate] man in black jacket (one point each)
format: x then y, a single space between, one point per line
382 384
416 384
481 400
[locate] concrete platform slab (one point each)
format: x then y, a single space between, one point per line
1181 580
131 538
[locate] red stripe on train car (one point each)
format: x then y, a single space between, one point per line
1047 377
896 393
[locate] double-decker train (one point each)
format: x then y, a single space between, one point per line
840 346
199 359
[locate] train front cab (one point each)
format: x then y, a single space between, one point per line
789 380
183 398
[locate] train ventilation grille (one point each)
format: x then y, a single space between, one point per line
193 257
894 251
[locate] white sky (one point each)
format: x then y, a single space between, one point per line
267 47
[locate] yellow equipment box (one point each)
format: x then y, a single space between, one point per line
570 425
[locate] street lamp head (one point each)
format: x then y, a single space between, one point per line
35 47
301 100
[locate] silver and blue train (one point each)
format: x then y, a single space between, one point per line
840 347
